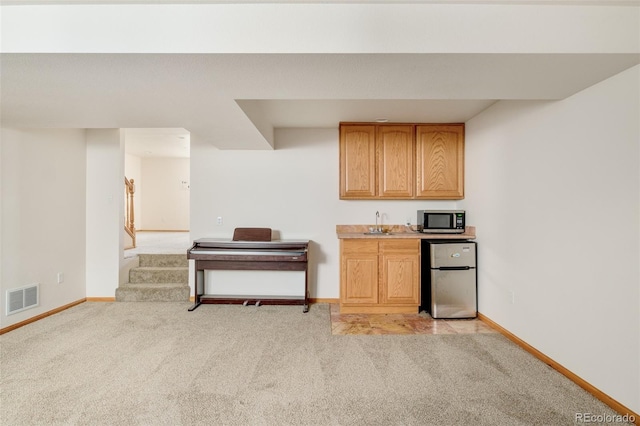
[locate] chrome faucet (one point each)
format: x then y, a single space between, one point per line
378 228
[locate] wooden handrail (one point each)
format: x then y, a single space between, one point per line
129 224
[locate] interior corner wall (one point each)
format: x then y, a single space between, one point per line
43 217
104 210
554 190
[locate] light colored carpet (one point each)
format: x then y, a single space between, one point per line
157 364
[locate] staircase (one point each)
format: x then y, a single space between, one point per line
158 278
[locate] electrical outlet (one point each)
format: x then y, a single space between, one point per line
408 221
219 220
60 277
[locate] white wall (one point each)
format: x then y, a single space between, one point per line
104 210
293 190
161 200
554 189
164 197
43 216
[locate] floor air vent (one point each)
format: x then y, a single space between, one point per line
22 298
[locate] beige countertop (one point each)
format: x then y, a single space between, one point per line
400 231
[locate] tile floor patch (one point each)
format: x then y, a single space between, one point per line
422 323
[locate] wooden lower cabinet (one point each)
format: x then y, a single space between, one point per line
359 272
399 272
379 275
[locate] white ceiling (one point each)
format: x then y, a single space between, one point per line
236 100
534 2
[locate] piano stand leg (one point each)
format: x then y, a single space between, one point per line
305 309
195 305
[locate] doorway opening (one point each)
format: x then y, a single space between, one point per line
157 163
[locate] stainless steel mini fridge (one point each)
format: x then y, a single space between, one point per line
450 279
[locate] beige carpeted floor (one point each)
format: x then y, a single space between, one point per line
157 364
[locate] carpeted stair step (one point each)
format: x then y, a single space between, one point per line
153 274
159 278
153 292
164 260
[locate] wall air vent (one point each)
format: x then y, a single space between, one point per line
22 298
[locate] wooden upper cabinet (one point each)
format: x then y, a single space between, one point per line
401 161
396 159
440 161
358 161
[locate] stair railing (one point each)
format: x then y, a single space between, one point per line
129 225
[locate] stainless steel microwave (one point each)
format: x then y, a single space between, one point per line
441 221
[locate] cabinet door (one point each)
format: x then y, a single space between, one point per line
400 269
359 271
357 161
440 161
396 160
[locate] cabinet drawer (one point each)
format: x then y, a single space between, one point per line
364 246
400 245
